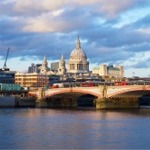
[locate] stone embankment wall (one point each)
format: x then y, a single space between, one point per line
10 101
25 102
7 101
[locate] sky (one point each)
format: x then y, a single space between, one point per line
111 32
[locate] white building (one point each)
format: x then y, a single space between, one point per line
112 71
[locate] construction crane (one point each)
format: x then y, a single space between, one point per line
5 66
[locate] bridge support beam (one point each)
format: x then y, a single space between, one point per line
117 103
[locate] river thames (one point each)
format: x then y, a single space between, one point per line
33 128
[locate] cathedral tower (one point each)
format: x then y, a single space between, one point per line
44 67
62 68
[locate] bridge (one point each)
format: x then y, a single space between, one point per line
103 96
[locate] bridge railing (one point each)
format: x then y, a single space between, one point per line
98 83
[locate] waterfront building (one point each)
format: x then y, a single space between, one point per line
31 79
78 63
7 76
111 71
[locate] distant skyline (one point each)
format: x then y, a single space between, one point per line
111 32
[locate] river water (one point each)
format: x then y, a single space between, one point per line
34 128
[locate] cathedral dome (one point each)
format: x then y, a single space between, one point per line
78 53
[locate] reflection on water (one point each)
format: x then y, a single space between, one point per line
29 128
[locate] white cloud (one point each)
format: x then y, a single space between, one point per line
109 8
38 5
144 30
54 22
112 25
113 7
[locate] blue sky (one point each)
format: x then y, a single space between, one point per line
111 32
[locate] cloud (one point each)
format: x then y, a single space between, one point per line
146 20
114 7
108 30
26 7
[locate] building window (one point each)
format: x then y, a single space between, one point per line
72 66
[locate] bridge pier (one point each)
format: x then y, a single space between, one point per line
40 102
117 103
57 103
120 102
62 102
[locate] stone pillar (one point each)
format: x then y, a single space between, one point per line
41 94
40 102
101 100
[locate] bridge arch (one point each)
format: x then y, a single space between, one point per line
70 97
133 89
71 90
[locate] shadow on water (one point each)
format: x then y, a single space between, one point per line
144 100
